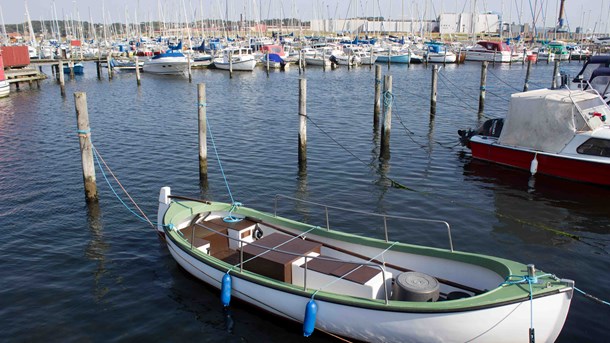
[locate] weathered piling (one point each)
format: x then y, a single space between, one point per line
202 117
524 56
268 62
190 68
62 82
527 75
555 78
433 90
71 66
387 118
86 149
389 56
300 61
98 68
138 82
230 64
109 65
302 123
377 104
482 88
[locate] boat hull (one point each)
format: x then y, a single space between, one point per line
472 55
247 65
5 89
497 324
166 66
403 58
496 312
442 58
548 164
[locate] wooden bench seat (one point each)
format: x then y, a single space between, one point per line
342 277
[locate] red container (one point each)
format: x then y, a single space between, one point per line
75 42
532 57
15 56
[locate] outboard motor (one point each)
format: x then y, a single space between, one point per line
490 128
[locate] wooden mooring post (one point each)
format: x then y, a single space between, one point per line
109 65
377 105
386 127
230 64
554 84
433 90
138 82
527 75
98 68
71 66
482 88
86 148
62 82
188 62
202 119
302 123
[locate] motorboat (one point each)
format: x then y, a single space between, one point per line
236 58
438 53
170 62
558 132
488 51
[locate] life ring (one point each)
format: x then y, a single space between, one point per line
258 233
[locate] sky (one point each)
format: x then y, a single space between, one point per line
590 14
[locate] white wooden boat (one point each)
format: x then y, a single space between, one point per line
240 59
358 287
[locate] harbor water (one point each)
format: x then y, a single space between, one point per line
97 273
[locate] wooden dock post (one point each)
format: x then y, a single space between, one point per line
377 105
62 83
71 66
482 88
98 68
302 123
459 56
190 69
230 64
300 61
267 59
433 91
527 75
109 65
389 56
386 127
202 117
524 56
138 82
555 78
86 149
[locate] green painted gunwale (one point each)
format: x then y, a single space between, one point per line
179 211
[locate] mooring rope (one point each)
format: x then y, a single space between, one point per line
98 157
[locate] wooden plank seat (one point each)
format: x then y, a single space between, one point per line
325 273
277 264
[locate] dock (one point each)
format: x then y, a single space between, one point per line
29 75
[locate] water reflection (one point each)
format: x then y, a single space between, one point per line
542 202
97 248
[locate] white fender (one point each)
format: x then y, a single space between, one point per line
534 165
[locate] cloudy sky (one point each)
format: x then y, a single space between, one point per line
591 14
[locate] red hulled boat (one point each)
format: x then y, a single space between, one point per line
563 133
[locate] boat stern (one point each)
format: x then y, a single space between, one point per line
164 201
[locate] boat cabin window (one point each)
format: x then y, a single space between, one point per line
595 147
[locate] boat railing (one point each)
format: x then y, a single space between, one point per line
384 217
601 107
305 257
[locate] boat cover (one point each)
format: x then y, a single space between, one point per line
546 120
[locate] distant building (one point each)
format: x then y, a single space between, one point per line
468 23
447 23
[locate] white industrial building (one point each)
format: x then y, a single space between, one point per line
447 23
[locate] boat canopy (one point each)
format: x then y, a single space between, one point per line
546 120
